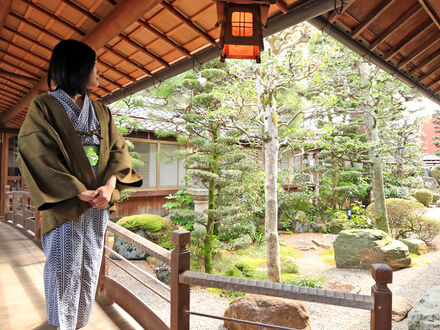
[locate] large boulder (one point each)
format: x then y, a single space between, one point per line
416 246
427 314
401 307
359 248
150 226
268 310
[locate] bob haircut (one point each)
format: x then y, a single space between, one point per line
71 66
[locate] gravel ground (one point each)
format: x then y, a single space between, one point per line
411 283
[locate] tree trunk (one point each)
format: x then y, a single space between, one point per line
270 189
377 176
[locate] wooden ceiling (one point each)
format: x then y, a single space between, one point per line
143 42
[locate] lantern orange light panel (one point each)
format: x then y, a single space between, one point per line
241 30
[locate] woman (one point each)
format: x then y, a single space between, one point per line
74 162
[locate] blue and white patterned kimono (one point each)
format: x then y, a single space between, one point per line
74 250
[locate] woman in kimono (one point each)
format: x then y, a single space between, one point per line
74 162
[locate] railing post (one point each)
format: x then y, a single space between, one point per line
381 315
103 270
14 208
37 225
180 262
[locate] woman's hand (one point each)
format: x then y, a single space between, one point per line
104 194
88 195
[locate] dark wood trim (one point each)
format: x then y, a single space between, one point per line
153 193
133 305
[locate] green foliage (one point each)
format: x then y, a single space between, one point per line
289 266
424 196
181 207
357 220
401 213
307 281
392 191
435 172
422 227
156 229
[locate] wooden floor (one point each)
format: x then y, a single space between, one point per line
22 304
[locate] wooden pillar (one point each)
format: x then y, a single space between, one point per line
180 262
104 266
381 315
3 172
37 225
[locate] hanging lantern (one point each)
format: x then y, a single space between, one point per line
241 34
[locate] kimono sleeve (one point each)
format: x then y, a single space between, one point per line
119 163
43 164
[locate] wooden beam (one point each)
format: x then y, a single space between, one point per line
21 60
282 5
45 60
414 10
36 27
125 58
81 10
14 88
431 12
143 49
15 82
371 18
163 37
3 91
426 26
18 76
30 73
188 22
4 11
426 61
22 35
429 73
122 15
417 53
55 18
114 68
337 12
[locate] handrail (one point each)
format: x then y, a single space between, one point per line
329 297
141 243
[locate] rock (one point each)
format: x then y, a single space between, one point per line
163 273
416 246
336 225
401 307
342 287
321 244
395 255
127 250
359 248
427 314
268 310
319 227
430 183
300 224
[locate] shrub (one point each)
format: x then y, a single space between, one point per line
435 172
240 243
424 228
240 269
400 213
308 281
289 266
396 192
424 196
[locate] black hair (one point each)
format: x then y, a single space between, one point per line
71 66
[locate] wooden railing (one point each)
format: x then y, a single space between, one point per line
20 211
379 302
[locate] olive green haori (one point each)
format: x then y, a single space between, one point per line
51 155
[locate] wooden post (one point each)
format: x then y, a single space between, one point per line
25 213
381 315
103 270
14 208
180 262
37 225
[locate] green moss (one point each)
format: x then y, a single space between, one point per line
328 256
307 281
156 229
148 222
419 261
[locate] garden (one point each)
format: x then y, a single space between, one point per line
312 154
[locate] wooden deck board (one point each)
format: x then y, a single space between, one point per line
22 303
